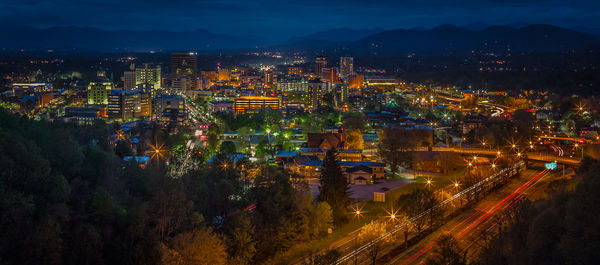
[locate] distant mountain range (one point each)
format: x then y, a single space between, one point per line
339 34
449 39
439 40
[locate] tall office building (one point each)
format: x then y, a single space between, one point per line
98 90
148 74
128 104
320 63
269 77
292 85
185 64
169 108
330 74
129 80
346 66
316 90
341 94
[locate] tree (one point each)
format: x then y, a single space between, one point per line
171 207
355 121
122 149
354 140
241 244
415 203
243 140
313 124
328 257
198 247
372 234
265 148
523 120
280 222
334 187
227 147
447 252
321 219
396 146
213 137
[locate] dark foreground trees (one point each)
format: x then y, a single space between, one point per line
561 230
396 146
66 198
446 252
334 187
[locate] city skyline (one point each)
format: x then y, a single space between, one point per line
299 132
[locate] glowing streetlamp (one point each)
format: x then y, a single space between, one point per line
224 165
392 215
428 182
157 151
358 212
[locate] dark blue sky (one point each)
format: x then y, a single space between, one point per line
287 18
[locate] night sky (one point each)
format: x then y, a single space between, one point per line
282 19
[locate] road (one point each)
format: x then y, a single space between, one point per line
559 151
469 226
496 109
350 249
530 155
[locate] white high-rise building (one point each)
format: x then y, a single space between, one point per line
148 74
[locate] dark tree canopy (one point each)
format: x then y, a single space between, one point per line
334 187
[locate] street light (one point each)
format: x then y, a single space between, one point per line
392 215
358 212
157 151
428 182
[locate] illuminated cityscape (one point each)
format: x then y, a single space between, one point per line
313 133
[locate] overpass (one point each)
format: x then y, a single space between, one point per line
561 138
497 108
532 156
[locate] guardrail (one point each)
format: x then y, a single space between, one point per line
511 171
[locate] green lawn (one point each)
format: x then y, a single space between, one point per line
371 211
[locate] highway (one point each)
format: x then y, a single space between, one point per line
473 224
496 109
351 250
491 152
